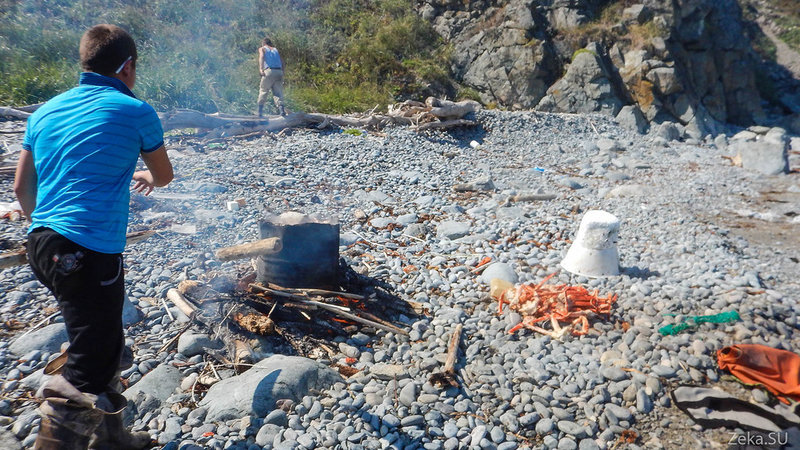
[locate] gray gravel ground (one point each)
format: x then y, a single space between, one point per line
698 236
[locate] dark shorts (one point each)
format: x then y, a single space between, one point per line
90 289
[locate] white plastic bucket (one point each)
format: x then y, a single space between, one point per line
594 250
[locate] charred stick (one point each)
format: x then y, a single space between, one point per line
277 292
319 292
336 310
282 302
371 316
300 306
218 356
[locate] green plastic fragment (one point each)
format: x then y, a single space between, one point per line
693 321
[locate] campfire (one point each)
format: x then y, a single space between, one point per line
325 298
307 319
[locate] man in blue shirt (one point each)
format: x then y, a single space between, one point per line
73 181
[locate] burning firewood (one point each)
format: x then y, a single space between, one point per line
341 311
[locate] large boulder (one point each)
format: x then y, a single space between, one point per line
765 156
631 117
665 80
159 383
585 88
637 14
256 391
47 339
712 59
151 392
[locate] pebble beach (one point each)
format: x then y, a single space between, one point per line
419 212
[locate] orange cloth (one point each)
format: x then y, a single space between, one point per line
777 370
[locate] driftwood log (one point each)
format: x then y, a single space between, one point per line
433 114
13 113
22 112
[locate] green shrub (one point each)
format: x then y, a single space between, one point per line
25 84
788 19
341 55
792 37
468 93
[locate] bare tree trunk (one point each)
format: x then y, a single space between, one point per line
433 114
12 112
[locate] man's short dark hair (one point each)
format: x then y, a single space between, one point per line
104 48
267 41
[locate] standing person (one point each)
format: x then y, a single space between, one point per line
270 66
73 181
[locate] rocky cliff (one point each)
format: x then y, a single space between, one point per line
686 61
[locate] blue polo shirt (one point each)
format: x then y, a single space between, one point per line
85 144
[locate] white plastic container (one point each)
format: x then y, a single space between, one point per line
594 250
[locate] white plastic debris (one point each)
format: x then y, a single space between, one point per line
594 251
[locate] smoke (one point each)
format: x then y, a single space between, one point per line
290 218
193 54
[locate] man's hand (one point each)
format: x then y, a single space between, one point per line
158 166
143 182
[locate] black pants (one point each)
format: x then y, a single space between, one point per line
90 288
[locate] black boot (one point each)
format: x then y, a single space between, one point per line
260 110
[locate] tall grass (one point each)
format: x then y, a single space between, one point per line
341 55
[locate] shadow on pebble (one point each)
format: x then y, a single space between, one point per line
638 272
